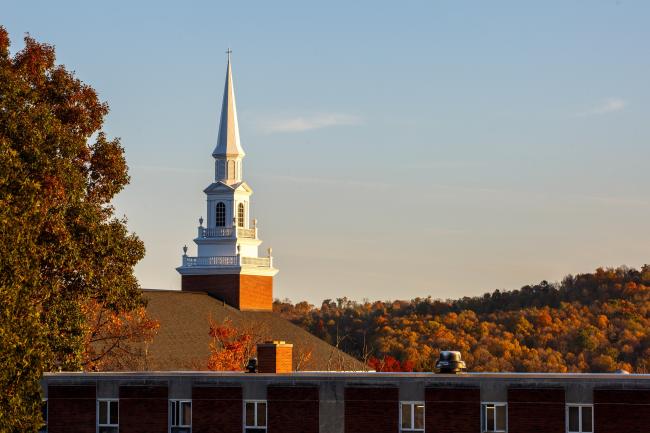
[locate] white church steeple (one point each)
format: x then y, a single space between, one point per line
227 264
228 153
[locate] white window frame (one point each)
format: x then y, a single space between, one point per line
579 405
217 215
241 215
108 412
484 405
412 423
266 415
180 402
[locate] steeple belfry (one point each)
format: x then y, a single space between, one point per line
228 153
227 264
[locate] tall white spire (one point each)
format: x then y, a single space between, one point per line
228 143
227 262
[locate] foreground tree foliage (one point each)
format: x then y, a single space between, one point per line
595 322
116 341
60 244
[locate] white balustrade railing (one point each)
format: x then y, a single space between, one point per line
227 232
216 232
261 262
210 261
246 233
226 261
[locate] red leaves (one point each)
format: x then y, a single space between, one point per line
230 347
5 42
35 59
115 341
388 363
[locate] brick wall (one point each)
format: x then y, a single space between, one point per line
372 409
217 409
452 410
293 409
143 409
71 409
224 287
539 410
621 410
256 292
245 292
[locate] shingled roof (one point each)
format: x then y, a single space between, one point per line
183 341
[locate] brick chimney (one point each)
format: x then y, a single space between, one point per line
275 357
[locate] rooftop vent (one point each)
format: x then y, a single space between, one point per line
251 367
450 362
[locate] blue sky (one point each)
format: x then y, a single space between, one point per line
441 148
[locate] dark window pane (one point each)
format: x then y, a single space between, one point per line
108 430
419 416
220 214
406 415
187 413
501 418
240 215
173 409
250 414
489 426
586 419
255 430
261 414
114 412
574 420
103 412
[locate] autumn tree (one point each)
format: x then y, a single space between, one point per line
230 347
116 340
60 242
592 322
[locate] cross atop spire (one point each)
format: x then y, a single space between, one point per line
228 143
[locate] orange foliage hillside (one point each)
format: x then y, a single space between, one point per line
595 322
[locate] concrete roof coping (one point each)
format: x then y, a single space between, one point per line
355 374
275 343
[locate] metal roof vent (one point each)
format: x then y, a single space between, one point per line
251 367
450 362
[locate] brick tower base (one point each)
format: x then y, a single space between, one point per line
244 292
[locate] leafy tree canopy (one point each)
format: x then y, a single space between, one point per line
592 322
60 244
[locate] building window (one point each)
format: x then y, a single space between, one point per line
580 418
494 417
411 416
220 214
108 416
43 428
180 416
241 214
255 416
231 170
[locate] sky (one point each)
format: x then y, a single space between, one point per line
396 150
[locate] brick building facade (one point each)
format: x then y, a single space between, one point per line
244 292
352 402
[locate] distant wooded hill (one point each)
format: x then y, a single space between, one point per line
594 322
